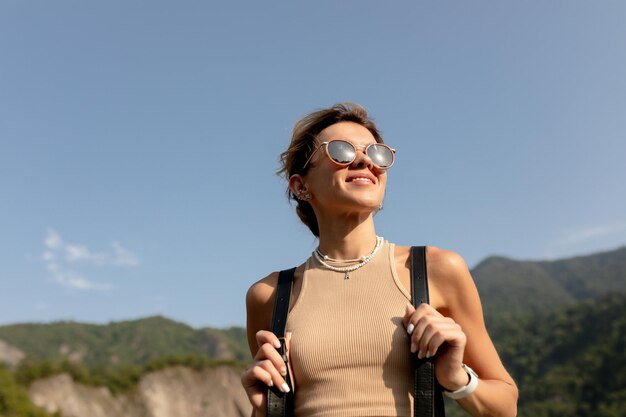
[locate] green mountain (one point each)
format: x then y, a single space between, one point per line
571 361
510 286
567 362
134 342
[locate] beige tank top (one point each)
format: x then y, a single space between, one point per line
349 351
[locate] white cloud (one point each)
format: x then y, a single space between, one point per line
57 264
53 240
75 253
590 233
73 280
123 256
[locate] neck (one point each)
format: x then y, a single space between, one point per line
348 237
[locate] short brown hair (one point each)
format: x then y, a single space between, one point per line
303 137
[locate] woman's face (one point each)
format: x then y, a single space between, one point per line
359 186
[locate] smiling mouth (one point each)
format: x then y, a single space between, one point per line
361 180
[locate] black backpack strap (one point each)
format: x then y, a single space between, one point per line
427 394
280 404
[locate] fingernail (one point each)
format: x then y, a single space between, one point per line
276 344
408 307
283 371
420 355
427 354
285 387
271 383
413 348
410 328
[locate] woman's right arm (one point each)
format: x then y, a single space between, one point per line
267 367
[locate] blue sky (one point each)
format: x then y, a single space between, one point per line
139 140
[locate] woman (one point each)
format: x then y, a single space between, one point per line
351 327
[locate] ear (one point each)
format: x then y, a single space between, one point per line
297 185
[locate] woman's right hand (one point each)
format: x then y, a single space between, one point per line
266 369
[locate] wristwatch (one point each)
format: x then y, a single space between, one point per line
466 390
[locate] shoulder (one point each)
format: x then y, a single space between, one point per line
445 263
260 295
259 305
448 271
448 275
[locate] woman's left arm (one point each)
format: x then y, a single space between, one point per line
458 336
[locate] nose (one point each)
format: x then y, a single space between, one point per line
362 158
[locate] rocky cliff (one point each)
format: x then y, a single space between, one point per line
10 355
171 392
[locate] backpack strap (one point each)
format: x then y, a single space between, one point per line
280 404
427 394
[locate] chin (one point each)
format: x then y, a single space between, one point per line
371 206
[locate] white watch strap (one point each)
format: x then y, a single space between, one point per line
466 390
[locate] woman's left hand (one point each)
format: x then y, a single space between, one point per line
434 335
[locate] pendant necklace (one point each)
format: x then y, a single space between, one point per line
363 260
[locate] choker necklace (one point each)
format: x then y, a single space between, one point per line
347 269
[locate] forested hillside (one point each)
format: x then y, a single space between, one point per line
511 286
133 342
570 362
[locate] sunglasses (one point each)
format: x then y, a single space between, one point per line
343 153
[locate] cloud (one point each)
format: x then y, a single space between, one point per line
590 233
59 254
123 257
75 253
53 240
73 280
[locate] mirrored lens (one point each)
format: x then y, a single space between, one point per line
341 152
380 155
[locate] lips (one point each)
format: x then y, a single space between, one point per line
361 178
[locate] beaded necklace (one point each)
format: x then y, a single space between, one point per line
363 260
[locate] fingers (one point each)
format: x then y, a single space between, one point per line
431 333
408 313
412 315
259 372
270 375
429 330
265 336
268 367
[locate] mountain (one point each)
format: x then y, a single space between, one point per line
570 361
567 362
134 342
511 286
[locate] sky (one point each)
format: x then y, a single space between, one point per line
139 140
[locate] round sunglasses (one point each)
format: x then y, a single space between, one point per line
343 153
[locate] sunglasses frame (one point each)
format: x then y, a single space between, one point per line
356 149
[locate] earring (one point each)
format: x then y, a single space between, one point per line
380 206
304 196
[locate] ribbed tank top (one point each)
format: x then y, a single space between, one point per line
349 350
